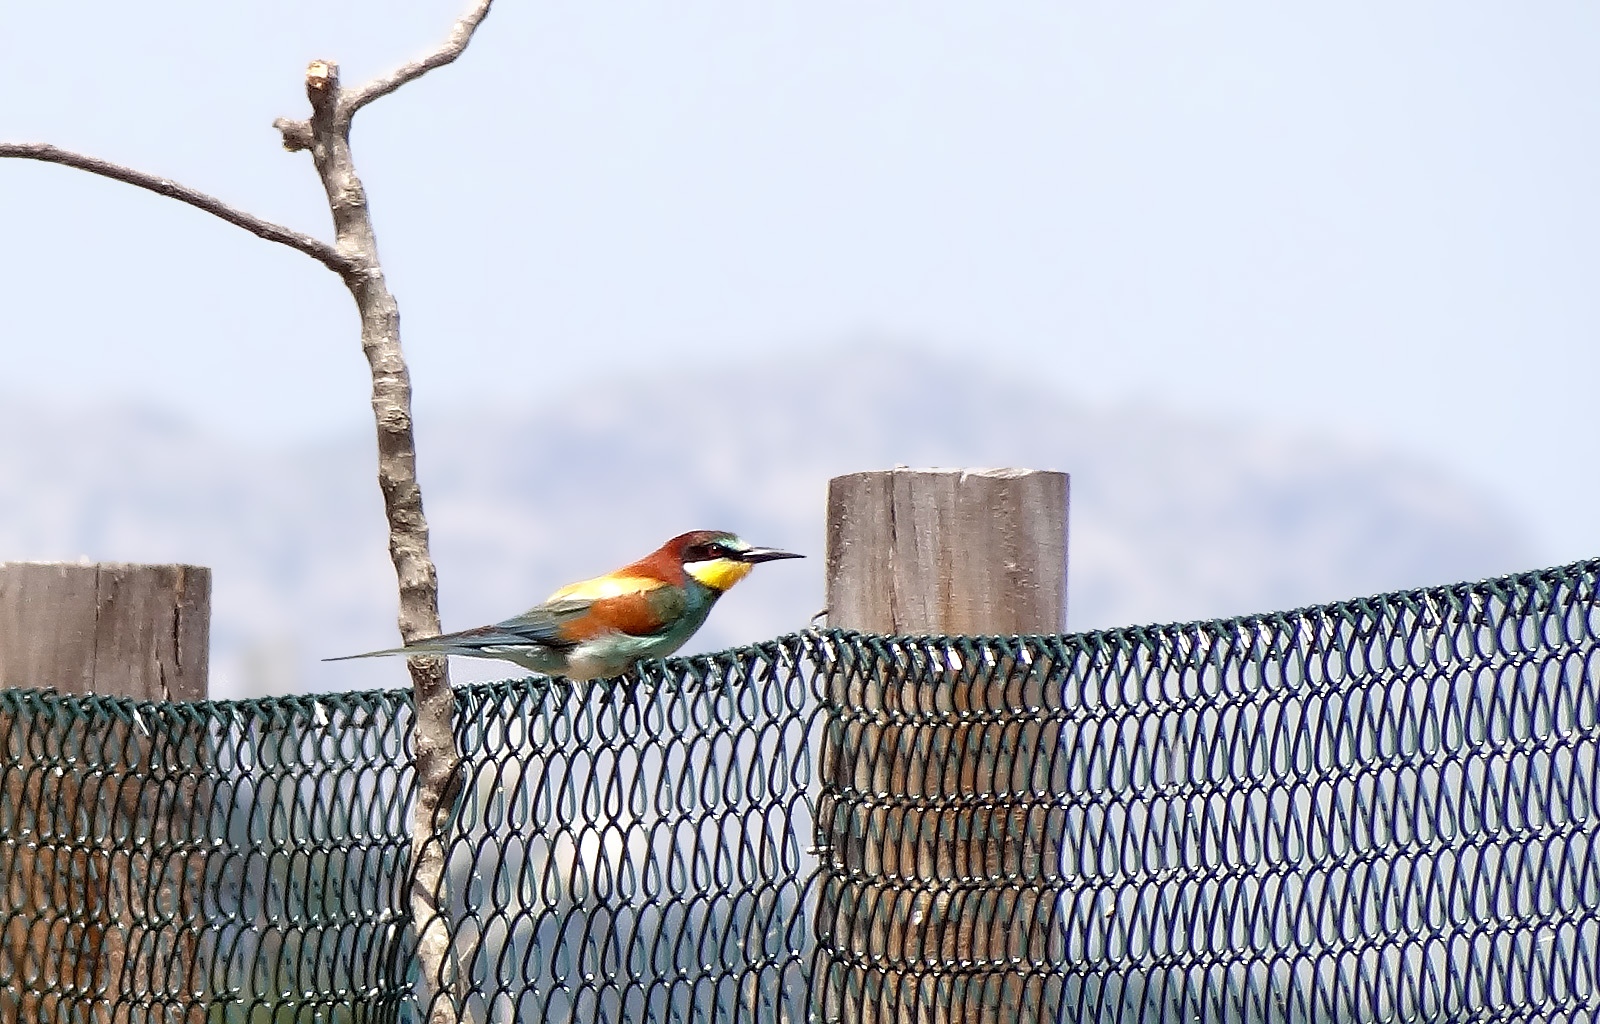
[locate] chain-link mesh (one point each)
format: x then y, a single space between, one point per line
237 862
638 851
1368 811
1378 810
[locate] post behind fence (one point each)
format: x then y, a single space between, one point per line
935 870
138 631
82 898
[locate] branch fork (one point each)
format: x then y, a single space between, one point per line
354 257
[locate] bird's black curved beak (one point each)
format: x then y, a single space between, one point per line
754 555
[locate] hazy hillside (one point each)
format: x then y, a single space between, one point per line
1172 518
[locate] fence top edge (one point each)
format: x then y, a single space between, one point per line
705 667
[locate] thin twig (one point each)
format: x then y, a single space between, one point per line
452 48
313 247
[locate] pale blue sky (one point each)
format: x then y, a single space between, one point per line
1365 219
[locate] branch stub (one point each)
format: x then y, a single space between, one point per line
322 78
296 133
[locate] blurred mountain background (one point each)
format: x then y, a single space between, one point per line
1172 517
1301 295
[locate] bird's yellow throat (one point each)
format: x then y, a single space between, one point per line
718 573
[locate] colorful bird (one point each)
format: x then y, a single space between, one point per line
601 627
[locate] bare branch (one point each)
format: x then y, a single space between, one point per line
326 135
296 133
317 249
452 48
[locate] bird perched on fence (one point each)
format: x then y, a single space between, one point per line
601 627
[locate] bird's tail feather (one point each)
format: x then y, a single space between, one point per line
421 647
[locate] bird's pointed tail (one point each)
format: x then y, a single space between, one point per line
421 647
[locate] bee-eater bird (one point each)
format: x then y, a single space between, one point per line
601 627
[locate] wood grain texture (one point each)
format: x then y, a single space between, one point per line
141 631
948 551
77 905
932 783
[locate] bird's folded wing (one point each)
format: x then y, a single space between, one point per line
527 630
631 605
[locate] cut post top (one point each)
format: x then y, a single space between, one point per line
948 551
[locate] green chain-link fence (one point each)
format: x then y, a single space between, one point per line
1368 811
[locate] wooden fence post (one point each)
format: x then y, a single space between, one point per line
941 847
95 854
139 631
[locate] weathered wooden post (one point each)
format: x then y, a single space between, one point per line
936 818
89 877
141 631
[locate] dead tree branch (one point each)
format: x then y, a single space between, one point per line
460 36
297 134
437 759
317 249
354 256
326 134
